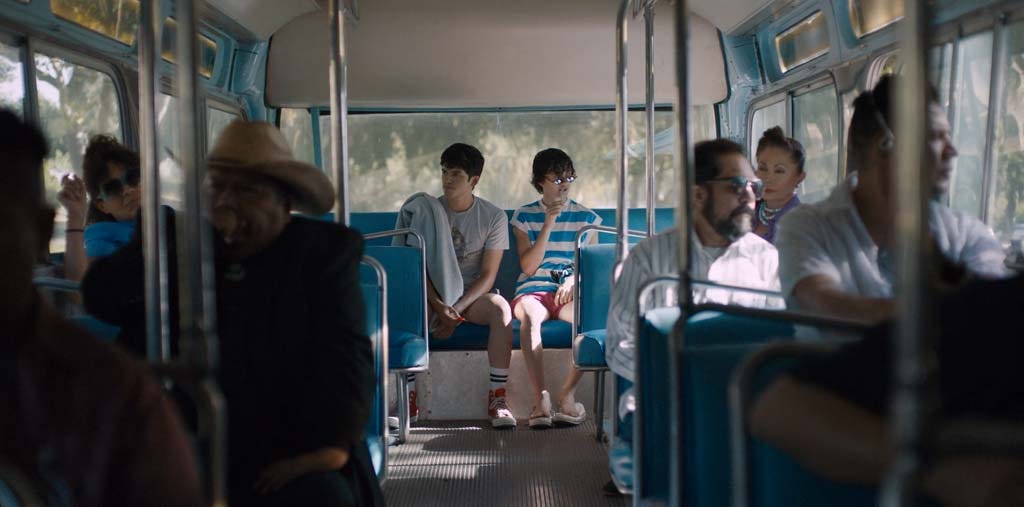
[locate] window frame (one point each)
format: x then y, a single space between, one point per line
786 69
789 95
854 27
214 102
128 134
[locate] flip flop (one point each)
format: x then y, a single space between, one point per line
568 419
543 419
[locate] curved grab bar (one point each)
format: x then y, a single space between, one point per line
382 348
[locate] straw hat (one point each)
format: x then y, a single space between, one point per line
259 147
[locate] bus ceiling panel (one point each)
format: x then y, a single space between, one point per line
455 54
263 17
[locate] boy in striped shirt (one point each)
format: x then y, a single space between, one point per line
545 233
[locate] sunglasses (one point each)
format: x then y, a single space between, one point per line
563 179
115 187
739 185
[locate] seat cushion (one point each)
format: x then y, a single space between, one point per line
406 350
590 352
555 334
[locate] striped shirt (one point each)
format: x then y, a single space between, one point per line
561 246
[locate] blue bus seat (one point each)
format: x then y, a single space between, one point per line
595 274
407 347
715 344
375 425
776 480
555 334
96 327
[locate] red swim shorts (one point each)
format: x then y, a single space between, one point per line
545 298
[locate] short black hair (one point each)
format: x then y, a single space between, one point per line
776 138
550 161
24 147
706 155
873 113
465 157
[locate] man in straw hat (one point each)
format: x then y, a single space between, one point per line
296 364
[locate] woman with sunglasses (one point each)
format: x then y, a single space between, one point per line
103 221
545 232
780 165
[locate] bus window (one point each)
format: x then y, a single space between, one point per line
117 20
75 103
764 119
297 127
869 16
1007 206
216 120
12 80
816 126
395 155
972 87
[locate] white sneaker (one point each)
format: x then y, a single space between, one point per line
542 420
497 409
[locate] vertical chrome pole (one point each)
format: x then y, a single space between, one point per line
339 111
649 110
157 329
684 224
909 407
199 344
621 133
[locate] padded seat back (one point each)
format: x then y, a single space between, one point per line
595 279
777 480
724 339
403 266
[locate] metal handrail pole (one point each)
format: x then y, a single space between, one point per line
197 294
382 348
649 115
153 226
577 309
621 133
339 111
908 403
403 406
684 220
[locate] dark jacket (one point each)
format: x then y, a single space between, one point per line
296 365
87 423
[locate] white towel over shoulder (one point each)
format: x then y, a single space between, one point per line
426 215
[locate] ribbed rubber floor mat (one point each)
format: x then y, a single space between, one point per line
469 463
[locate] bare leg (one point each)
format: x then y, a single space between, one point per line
566 401
532 314
493 311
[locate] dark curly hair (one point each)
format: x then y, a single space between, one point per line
776 138
550 161
101 151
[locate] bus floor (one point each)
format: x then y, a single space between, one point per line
446 463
